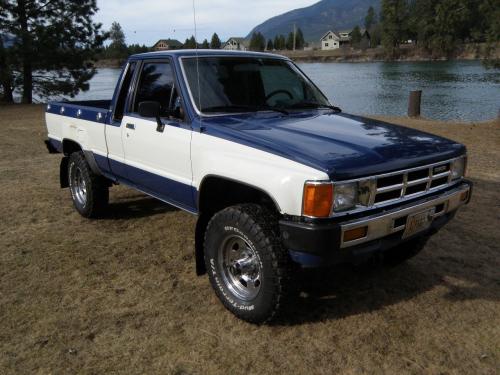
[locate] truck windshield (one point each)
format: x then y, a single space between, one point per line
249 84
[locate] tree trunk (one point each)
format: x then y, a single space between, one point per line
8 96
5 76
26 53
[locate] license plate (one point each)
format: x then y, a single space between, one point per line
418 222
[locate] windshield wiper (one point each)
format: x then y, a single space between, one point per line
305 105
245 108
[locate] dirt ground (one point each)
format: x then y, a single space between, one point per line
120 295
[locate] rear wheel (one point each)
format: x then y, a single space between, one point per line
247 266
89 191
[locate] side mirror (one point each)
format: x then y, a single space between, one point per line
152 109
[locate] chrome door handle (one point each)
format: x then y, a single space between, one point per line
130 126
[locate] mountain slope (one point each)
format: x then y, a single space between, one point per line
318 18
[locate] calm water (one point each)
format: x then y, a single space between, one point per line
458 90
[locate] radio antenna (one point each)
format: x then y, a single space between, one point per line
197 60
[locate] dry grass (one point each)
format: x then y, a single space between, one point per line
119 295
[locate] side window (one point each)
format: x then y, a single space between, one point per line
156 83
122 95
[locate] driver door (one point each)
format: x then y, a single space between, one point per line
158 160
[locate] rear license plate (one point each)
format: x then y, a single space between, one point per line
418 222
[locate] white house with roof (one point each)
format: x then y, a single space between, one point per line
330 41
235 44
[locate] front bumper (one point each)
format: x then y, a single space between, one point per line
314 244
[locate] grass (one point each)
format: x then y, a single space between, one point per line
119 295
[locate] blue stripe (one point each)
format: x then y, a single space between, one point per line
167 190
56 144
71 110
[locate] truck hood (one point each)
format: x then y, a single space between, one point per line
344 146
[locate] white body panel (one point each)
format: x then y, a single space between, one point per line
166 153
281 178
89 134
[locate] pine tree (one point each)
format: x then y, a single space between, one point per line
370 19
6 83
190 43
55 44
117 49
394 24
270 45
257 42
356 36
276 43
215 43
299 39
205 44
289 42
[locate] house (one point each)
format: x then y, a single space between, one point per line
236 44
167 44
334 40
330 41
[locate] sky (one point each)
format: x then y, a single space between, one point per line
147 21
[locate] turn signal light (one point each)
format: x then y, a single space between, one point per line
318 199
355 234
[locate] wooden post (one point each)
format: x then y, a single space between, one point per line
414 103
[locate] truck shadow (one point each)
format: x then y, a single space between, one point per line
342 291
136 206
339 292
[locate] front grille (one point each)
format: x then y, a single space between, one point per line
399 185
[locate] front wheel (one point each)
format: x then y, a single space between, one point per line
89 191
247 266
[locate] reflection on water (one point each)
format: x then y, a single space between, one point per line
462 90
457 90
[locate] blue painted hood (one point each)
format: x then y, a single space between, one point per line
344 146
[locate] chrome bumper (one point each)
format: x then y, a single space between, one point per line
381 225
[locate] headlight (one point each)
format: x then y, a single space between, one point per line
345 196
458 168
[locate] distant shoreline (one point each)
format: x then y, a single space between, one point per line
407 53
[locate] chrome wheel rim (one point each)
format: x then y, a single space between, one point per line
78 186
241 267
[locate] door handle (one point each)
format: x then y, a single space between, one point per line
130 126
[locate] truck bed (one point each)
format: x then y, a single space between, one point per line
73 120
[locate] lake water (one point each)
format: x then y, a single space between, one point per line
456 90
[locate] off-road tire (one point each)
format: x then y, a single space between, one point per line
96 198
405 251
258 227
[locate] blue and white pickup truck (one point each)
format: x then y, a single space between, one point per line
278 177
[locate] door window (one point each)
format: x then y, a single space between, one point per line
156 83
122 95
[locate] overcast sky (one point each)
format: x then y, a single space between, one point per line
146 21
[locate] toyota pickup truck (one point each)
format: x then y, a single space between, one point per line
279 178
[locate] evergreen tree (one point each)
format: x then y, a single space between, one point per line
299 39
356 36
117 49
276 43
6 79
370 19
57 39
394 24
205 44
289 42
190 43
257 42
270 45
215 43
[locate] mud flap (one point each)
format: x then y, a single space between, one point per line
63 172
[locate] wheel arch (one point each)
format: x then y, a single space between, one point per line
210 201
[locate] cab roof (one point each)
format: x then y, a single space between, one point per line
202 53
